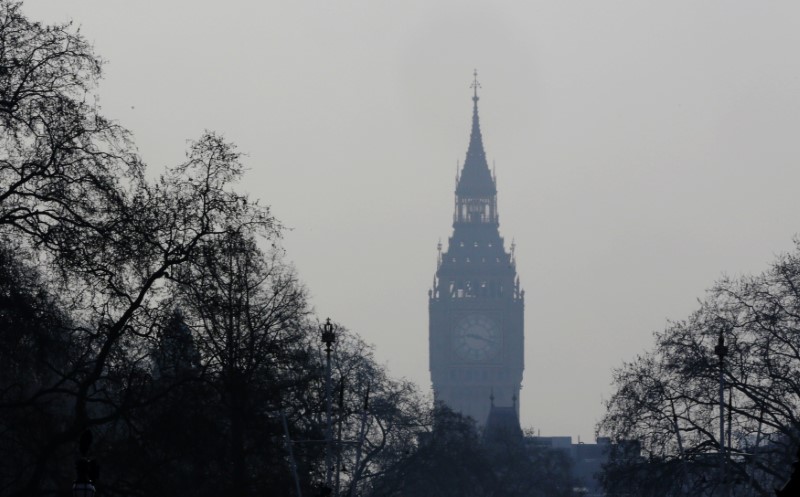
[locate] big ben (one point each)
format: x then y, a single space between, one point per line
476 304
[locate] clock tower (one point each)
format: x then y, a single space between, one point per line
476 303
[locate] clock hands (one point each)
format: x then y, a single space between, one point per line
479 337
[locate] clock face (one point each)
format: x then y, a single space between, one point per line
477 338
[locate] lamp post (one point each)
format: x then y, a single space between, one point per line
328 338
721 350
85 468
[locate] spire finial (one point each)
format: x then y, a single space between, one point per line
475 85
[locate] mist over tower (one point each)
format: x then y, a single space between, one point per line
476 304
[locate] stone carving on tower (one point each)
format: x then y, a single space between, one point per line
476 303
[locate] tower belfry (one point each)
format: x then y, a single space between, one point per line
476 303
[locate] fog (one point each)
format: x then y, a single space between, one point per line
642 150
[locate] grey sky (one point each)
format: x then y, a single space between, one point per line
642 149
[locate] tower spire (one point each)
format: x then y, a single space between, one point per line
476 179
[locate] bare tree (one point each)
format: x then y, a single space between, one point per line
114 253
59 157
113 267
248 312
448 461
377 418
668 398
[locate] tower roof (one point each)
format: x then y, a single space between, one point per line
475 179
502 424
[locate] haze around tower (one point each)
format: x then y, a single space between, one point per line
641 150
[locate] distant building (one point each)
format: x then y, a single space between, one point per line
587 459
476 304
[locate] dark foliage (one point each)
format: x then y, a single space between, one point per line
452 459
36 358
668 398
149 313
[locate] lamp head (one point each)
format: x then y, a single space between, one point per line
721 350
328 335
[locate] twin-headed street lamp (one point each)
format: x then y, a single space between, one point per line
721 350
328 338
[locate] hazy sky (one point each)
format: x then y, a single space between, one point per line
642 150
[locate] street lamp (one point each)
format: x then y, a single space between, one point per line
721 350
328 338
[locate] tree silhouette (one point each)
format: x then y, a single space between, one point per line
668 398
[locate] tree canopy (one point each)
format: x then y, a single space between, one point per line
159 314
668 398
